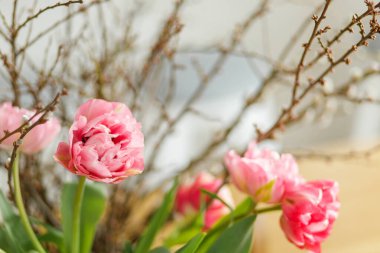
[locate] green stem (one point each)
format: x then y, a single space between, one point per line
76 216
21 209
226 222
267 209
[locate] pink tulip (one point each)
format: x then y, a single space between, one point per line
12 117
189 198
309 213
105 143
263 174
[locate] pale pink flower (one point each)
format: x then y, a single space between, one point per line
12 117
189 198
263 174
105 143
309 212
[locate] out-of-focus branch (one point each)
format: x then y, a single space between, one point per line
11 67
52 27
4 35
303 154
222 137
170 29
251 100
41 11
205 80
25 128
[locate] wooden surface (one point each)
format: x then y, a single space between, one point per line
357 229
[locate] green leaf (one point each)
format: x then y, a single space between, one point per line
128 248
186 230
8 243
160 250
157 221
13 237
237 238
241 211
215 196
182 237
244 208
192 245
93 206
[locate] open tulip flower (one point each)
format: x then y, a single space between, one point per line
189 197
309 212
105 143
263 174
309 208
12 117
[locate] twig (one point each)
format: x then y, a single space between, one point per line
239 32
306 46
57 23
41 11
337 37
24 129
286 114
331 156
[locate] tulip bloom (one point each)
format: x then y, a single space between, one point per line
309 213
263 174
12 117
105 143
189 198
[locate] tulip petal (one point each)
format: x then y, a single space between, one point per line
62 155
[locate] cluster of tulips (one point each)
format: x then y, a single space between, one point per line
106 145
309 208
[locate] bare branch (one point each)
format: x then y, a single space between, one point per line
306 46
239 32
57 23
41 11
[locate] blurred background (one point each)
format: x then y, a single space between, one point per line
189 70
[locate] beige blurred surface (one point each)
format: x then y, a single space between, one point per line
357 229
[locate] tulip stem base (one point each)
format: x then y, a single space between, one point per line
75 242
21 208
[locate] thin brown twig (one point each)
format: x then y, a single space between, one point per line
296 36
13 64
5 22
170 29
57 23
41 11
27 126
4 35
249 101
26 129
29 34
337 37
286 114
331 156
239 32
307 46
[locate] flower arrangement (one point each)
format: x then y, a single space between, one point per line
106 145
95 190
